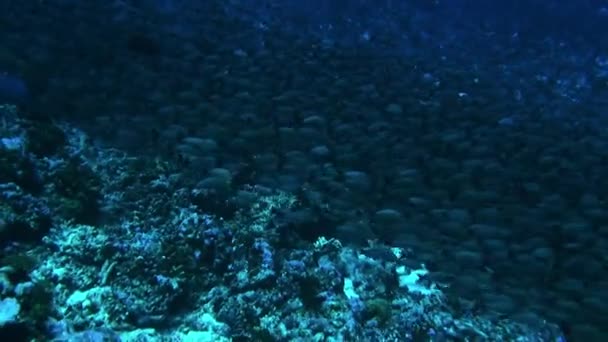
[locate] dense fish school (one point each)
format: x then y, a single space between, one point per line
180 170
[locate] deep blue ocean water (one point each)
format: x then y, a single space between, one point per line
471 134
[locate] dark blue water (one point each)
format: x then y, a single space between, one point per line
473 134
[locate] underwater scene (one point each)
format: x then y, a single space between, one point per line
308 171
